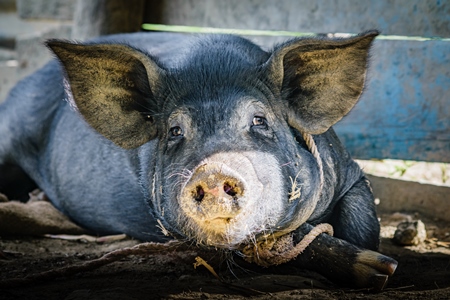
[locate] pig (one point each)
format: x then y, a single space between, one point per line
210 137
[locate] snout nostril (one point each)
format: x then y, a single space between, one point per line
229 189
199 194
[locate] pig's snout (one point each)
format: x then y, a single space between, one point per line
230 197
214 193
217 187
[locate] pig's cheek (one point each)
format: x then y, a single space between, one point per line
233 196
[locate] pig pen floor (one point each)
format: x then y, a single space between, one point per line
423 272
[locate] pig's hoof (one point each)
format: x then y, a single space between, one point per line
372 269
379 281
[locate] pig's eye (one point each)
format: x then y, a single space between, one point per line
259 121
176 131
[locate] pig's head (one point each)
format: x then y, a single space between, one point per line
219 125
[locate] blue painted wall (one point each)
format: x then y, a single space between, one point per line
405 111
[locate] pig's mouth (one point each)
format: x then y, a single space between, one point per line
231 197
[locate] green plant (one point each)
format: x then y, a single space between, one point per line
401 169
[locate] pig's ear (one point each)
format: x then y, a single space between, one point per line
320 79
112 86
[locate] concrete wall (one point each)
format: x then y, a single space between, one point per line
399 195
24 25
46 9
399 17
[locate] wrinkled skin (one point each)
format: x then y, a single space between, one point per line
204 136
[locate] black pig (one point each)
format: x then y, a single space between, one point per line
221 142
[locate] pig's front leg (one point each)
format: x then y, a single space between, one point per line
354 217
343 262
349 256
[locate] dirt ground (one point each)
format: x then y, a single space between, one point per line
423 271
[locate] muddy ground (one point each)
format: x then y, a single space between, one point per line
423 272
